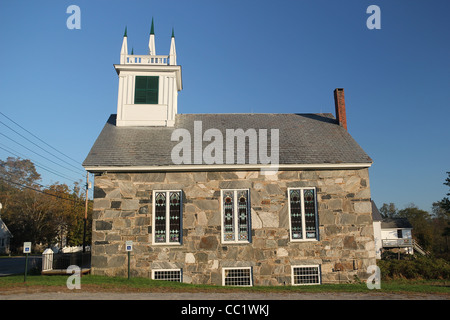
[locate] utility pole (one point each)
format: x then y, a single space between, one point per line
85 212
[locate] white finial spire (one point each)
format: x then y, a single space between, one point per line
173 51
151 42
124 50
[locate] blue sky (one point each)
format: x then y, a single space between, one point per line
241 56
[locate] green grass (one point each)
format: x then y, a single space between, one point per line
103 283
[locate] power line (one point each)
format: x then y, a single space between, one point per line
39 138
37 164
34 183
38 153
39 146
37 190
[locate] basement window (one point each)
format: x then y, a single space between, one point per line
240 277
174 275
305 275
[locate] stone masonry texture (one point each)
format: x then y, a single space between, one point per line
123 211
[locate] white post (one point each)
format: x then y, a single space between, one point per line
47 260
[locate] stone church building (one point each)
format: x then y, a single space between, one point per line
225 199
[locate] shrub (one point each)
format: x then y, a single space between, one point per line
419 268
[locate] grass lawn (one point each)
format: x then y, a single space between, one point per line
38 283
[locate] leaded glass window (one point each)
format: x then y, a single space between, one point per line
167 217
310 213
243 215
235 216
228 216
174 217
303 214
160 217
296 215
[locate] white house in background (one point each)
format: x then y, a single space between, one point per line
397 233
392 233
377 218
5 236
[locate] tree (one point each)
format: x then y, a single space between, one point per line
45 215
441 210
388 210
421 222
16 172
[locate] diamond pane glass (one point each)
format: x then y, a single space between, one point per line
310 213
160 217
228 216
296 214
243 215
174 216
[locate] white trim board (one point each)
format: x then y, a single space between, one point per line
212 167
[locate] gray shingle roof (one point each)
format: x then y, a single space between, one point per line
394 223
303 139
376 215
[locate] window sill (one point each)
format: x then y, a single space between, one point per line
303 240
165 244
235 242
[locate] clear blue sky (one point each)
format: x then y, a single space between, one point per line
242 56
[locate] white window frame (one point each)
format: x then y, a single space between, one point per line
167 270
303 239
319 273
237 268
167 243
236 221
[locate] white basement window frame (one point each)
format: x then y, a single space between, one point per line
235 216
174 275
303 217
302 275
237 276
167 222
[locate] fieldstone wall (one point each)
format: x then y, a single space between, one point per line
123 211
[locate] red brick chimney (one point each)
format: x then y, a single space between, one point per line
339 103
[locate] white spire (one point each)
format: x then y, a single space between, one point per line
173 51
151 41
124 50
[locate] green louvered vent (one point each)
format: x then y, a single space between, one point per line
146 91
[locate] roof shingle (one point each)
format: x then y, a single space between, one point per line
303 139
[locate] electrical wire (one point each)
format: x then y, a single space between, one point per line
37 164
77 162
38 153
39 146
37 190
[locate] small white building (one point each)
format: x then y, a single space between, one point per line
5 236
397 233
377 218
391 233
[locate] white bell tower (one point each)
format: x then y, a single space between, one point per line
148 86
